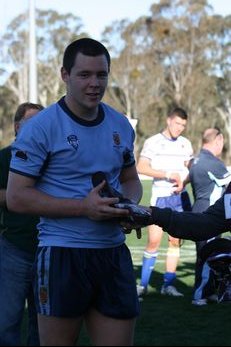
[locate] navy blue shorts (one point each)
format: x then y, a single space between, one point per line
177 202
69 281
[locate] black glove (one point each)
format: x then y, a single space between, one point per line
138 217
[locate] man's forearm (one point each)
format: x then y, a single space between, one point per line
192 226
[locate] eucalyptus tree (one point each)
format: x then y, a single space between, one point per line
53 32
169 58
7 111
222 70
178 32
130 88
15 57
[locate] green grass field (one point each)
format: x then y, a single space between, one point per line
171 321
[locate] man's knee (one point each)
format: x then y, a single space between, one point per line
174 242
173 251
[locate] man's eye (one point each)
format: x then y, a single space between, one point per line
84 74
103 76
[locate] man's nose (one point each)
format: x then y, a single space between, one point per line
94 80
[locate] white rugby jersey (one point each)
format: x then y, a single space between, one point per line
168 155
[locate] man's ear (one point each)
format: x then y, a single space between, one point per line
16 127
64 74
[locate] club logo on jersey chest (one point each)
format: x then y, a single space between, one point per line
73 141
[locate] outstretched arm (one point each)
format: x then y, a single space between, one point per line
193 226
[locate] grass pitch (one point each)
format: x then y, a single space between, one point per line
172 321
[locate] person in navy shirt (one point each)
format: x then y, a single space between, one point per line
208 176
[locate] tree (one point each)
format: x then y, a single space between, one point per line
7 111
173 54
179 55
53 32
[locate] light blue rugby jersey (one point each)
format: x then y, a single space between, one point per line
63 152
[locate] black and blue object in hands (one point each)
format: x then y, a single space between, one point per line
139 216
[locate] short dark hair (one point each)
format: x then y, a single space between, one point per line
210 134
179 112
22 108
86 46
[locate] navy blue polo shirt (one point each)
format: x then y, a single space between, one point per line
208 176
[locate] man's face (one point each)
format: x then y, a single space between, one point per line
176 126
87 81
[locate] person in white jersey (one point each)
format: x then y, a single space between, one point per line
166 157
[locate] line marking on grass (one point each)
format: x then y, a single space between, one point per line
187 253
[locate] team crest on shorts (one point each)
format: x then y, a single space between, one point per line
73 141
43 295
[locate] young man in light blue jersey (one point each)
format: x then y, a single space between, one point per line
83 269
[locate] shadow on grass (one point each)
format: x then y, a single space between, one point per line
174 321
183 282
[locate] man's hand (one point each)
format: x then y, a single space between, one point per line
99 208
177 181
137 216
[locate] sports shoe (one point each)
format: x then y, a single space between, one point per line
170 290
200 302
141 290
212 298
